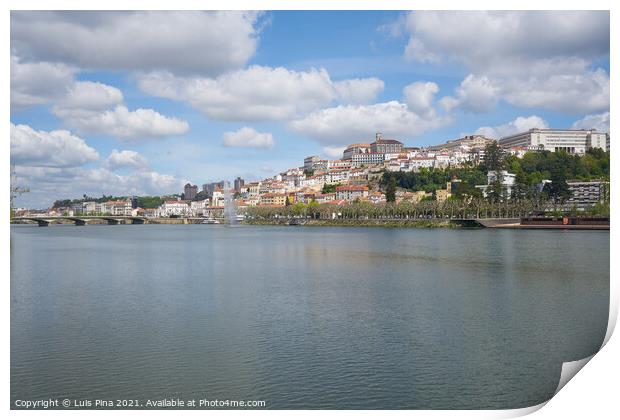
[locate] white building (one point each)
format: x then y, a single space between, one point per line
585 194
336 176
555 140
351 192
507 181
354 149
415 164
198 208
338 164
173 208
90 207
360 159
217 199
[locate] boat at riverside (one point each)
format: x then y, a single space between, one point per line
210 222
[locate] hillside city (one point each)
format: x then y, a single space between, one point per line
386 170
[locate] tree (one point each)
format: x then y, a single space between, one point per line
558 188
521 187
201 195
495 190
494 157
390 192
329 188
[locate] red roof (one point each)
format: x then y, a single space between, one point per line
352 188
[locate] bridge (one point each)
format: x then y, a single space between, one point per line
81 220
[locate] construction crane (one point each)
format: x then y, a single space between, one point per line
16 190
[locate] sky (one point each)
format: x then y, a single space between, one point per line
123 103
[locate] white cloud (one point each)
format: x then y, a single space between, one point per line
38 83
474 94
483 39
248 137
346 124
416 50
57 149
419 97
571 93
96 108
124 124
333 152
517 125
86 97
259 93
196 42
49 184
528 58
597 121
126 159
359 91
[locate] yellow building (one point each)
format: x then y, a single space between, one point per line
273 199
442 195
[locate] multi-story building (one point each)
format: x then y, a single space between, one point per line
360 159
338 164
467 142
351 192
173 208
354 149
585 194
417 163
507 180
254 189
325 198
376 197
383 146
212 212
315 182
442 195
198 208
239 183
190 191
90 207
310 162
217 198
555 140
336 176
210 187
273 199
115 207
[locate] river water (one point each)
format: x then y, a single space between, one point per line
303 317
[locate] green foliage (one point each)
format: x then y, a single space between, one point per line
599 209
429 180
329 188
150 202
390 192
558 188
494 157
540 165
200 196
62 203
529 172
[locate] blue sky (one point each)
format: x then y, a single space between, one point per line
140 103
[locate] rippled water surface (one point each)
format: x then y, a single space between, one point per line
303 317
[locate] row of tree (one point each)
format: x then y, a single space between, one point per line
449 209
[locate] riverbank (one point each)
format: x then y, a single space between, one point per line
358 223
